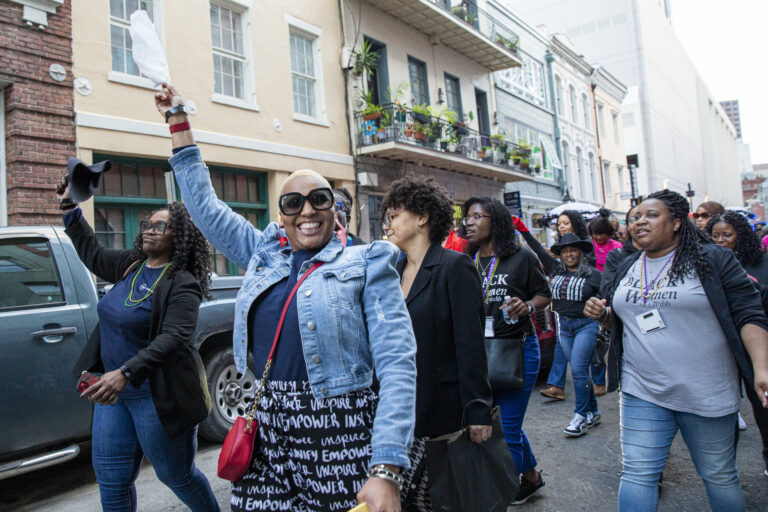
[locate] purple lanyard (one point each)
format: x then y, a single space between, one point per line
489 276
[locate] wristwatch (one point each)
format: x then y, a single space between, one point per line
531 307
127 372
175 110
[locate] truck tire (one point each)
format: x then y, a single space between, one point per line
231 393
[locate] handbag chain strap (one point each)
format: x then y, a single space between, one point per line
263 381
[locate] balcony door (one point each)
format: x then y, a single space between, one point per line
379 82
483 121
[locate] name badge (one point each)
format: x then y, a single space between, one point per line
650 321
489 327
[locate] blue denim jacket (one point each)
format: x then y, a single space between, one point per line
352 314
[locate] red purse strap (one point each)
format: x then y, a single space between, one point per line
285 308
260 389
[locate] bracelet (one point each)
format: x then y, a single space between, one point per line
180 127
531 307
383 472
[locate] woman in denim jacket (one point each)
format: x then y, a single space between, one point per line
325 438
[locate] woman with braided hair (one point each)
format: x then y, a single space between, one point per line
143 345
685 319
732 231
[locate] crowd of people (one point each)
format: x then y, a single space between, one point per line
381 347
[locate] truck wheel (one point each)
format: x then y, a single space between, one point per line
231 393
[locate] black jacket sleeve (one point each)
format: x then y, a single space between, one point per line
467 314
108 264
537 281
175 332
609 269
548 261
743 297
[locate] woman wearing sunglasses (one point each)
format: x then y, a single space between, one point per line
143 345
442 290
325 440
706 211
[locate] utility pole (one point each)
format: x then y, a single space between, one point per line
690 193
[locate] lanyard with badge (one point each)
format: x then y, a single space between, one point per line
491 271
651 321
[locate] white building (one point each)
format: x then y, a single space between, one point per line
679 132
572 78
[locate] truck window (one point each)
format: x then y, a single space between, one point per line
28 276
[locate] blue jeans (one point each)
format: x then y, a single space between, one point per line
647 431
577 336
122 434
556 375
514 402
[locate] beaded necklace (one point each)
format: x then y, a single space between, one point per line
130 302
645 286
491 269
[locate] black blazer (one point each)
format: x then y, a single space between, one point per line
170 362
731 293
446 307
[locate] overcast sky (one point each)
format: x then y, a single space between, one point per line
725 41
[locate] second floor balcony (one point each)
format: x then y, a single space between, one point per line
460 25
399 133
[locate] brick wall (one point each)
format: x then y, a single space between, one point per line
39 112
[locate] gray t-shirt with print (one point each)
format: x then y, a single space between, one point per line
687 366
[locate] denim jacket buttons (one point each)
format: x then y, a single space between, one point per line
315 359
309 293
311 326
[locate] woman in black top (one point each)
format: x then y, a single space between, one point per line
732 231
442 292
143 344
514 287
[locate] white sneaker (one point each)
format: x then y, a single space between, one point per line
742 423
593 419
577 427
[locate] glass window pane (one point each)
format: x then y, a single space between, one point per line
130 180
253 190
147 181
242 188
116 39
229 187
28 274
160 189
111 181
229 88
147 6
116 9
217 184
130 7
130 64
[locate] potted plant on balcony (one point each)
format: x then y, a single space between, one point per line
366 61
459 11
515 156
453 142
499 147
525 163
421 113
523 148
385 131
408 130
488 153
421 132
509 44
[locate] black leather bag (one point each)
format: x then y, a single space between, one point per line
505 362
471 477
602 344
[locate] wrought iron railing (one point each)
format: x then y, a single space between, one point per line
484 22
396 123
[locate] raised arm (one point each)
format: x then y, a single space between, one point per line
228 231
546 259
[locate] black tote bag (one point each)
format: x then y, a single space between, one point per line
505 362
471 477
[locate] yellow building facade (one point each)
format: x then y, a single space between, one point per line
263 85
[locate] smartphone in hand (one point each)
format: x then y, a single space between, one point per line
88 379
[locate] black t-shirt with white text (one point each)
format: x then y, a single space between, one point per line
518 275
570 293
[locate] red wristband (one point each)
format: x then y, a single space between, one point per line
180 127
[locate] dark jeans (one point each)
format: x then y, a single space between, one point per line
122 434
514 402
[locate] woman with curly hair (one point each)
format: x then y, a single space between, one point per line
514 288
685 319
442 292
153 392
732 231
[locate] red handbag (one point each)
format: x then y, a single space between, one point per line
237 450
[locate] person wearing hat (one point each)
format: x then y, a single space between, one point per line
573 280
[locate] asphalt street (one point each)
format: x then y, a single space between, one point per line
580 474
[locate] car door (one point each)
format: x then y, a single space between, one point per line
42 333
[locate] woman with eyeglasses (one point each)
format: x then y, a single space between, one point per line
442 292
514 287
326 439
143 346
732 231
706 211
685 321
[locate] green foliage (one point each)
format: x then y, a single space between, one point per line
366 59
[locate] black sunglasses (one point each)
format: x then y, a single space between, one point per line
292 203
159 226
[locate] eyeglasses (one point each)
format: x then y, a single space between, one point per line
388 216
475 218
704 215
292 203
159 227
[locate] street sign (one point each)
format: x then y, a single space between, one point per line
513 203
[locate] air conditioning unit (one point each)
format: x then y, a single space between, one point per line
368 179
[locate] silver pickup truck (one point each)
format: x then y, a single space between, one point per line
47 312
